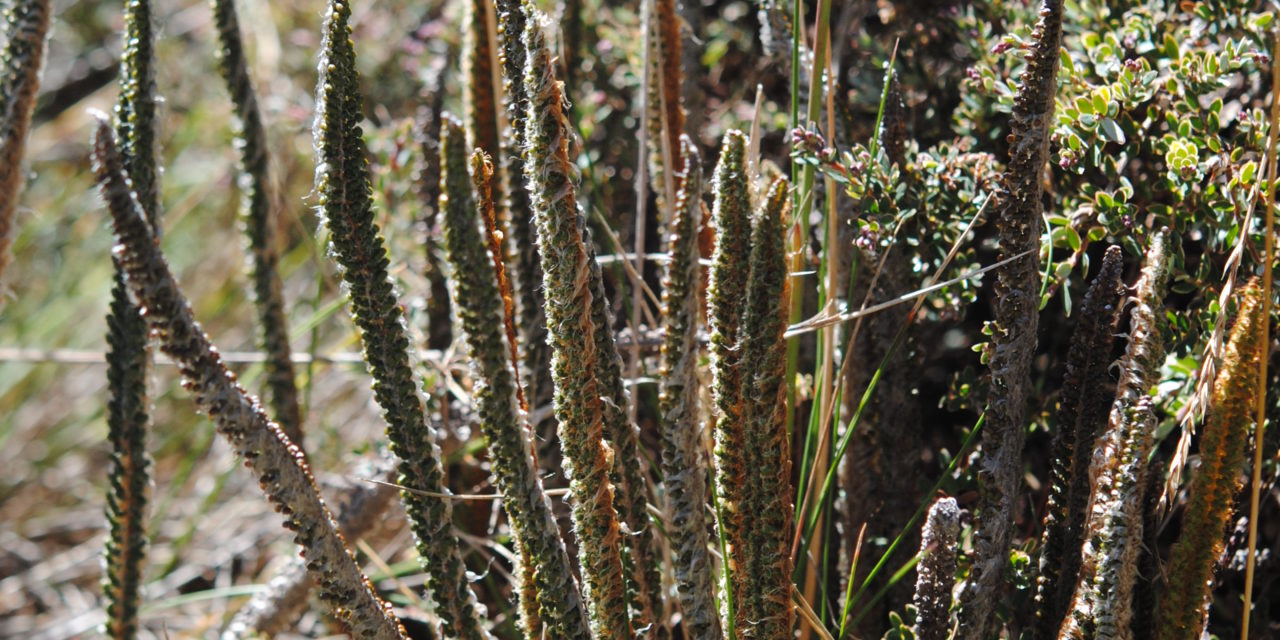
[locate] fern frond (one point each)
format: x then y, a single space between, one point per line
569 294
280 466
342 180
259 223
767 505
683 473
1013 341
1185 605
1102 604
21 61
936 573
1082 409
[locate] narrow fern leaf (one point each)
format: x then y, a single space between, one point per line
20 65
342 181
259 221
282 471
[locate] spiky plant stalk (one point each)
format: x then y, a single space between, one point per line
1102 604
280 466
342 180
726 289
682 468
936 573
481 104
1013 341
558 603
526 264
259 223
767 505
426 133
1184 609
21 62
276 609
1082 409
129 357
665 119
574 369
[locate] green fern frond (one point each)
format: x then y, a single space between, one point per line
1083 408
20 63
1183 612
1013 341
342 181
259 223
279 465
566 267
683 473
1102 605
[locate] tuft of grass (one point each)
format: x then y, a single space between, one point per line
280 466
1184 608
342 181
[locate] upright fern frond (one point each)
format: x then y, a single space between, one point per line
1013 341
726 289
280 466
1082 410
1183 612
342 180
480 308
936 573
21 61
526 264
767 506
683 472
574 364
259 223
665 119
1102 605
129 358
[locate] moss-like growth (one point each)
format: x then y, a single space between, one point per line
495 393
767 506
936 573
21 61
573 335
683 472
1102 604
280 466
1082 410
1013 339
342 181
259 223
1184 609
727 288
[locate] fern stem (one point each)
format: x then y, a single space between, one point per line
21 61
727 287
574 364
1083 408
1102 605
342 180
495 393
281 469
1016 319
259 223
682 470
1185 605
